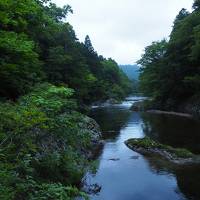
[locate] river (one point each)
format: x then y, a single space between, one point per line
123 174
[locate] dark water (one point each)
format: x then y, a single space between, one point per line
131 176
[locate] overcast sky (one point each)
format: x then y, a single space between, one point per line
122 28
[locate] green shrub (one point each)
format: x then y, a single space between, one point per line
56 192
41 140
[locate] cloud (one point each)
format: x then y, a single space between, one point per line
122 28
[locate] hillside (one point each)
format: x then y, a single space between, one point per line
170 68
132 71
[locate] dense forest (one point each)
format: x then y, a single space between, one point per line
46 76
170 71
37 45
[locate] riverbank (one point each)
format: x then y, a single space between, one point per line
170 113
186 110
46 145
147 146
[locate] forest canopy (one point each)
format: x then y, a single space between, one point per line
170 70
38 45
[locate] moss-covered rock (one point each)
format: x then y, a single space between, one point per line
175 155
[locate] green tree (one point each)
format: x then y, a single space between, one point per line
152 68
20 67
196 5
172 74
88 44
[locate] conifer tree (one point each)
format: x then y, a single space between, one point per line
88 44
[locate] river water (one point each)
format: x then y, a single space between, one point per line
123 174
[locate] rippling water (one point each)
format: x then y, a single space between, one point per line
124 174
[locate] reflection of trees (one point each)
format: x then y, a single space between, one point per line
188 180
173 130
111 120
187 176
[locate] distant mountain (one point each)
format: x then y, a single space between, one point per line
132 71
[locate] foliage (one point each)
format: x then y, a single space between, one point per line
37 45
117 85
56 191
151 69
41 140
88 44
170 69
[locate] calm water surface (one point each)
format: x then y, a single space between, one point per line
124 174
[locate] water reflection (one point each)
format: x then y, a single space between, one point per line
187 176
126 175
111 119
173 130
